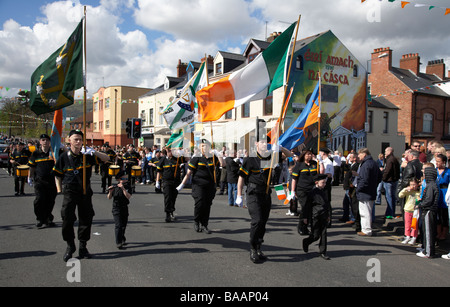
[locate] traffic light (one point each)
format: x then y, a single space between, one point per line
137 128
129 128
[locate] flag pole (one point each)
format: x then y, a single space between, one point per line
84 105
318 120
210 123
283 113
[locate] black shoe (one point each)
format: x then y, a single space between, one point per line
197 227
168 217
305 246
206 230
325 257
84 253
254 257
261 255
69 252
17 194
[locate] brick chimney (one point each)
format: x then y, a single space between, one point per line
381 60
411 61
181 69
210 61
436 67
272 37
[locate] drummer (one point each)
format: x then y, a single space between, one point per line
130 159
104 166
41 172
19 157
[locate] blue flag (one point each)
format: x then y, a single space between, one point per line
295 134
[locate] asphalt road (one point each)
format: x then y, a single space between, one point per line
161 254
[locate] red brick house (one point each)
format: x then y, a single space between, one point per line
424 108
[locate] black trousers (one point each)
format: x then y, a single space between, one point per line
203 197
104 169
19 183
45 191
170 195
120 215
258 205
73 199
318 231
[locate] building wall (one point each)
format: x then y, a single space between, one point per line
377 137
123 104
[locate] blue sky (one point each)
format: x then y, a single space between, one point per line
139 42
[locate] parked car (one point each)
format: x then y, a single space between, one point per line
3 154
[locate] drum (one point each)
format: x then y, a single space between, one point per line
22 170
136 171
113 170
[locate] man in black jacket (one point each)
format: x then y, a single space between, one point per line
369 175
391 175
412 168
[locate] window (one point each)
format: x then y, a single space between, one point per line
107 124
427 123
246 109
386 122
251 57
107 103
299 63
161 117
229 114
268 105
150 117
355 70
219 69
370 120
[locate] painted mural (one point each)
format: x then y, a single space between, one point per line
343 108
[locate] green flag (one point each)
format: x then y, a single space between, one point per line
176 140
55 80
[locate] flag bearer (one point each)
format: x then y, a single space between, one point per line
202 169
255 170
69 179
169 170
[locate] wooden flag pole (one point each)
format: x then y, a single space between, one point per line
84 106
282 113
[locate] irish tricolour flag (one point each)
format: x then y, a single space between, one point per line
248 83
281 194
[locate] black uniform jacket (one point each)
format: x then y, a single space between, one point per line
170 168
255 170
70 168
203 169
43 162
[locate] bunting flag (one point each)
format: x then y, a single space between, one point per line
245 84
181 112
430 7
295 134
53 83
57 130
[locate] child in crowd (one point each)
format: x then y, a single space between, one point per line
121 194
429 207
411 193
318 213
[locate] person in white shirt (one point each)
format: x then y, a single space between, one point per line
336 167
326 167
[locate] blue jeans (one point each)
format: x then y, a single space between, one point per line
391 197
232 193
